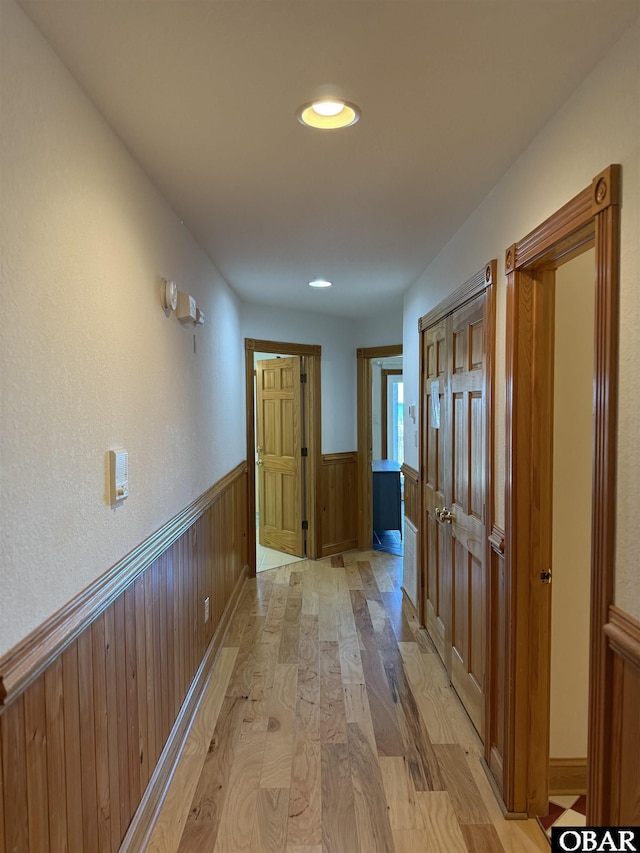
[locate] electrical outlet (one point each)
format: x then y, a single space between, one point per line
206 609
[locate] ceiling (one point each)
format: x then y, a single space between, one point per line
204 95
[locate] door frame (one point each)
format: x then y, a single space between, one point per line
365 438
482 282
312 355
590 219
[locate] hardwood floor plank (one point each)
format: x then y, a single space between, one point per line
378 615
418 749
304 825
201 828
238 814
441 828
307 722
370 804
439 706
354 579
461 786
337 561
291 629
410 841
481 838
270 827
168 829
339 832
393 605
516 836
404 812
278 753
204 725
333 721
349 645
389 740
256 717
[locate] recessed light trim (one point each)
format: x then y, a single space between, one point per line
328 114
320 282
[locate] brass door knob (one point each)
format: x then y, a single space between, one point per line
446 515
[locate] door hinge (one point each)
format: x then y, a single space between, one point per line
303 378
305 451
305 525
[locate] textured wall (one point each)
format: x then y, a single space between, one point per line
599 125
338 370
88 360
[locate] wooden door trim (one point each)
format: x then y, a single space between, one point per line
589 219
313 359
476 285
384 432
365 480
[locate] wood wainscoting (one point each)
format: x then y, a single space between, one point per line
620 788
98 700
411 495
339 484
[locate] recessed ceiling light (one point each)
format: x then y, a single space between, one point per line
328 114
320 282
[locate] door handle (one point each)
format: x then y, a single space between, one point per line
260 462
259 448
445 515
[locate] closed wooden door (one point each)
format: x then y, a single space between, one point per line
435 373
279 446
454 499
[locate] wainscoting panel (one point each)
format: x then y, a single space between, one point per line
411 495
81 740
339 525
621 791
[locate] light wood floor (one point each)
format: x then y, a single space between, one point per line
329 726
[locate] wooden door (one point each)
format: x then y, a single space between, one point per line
279 445
434 385
466 500
454 453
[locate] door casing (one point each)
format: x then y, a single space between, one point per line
313 438
590 219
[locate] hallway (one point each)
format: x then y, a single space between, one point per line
329 725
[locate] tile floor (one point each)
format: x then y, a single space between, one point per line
267 558
568 810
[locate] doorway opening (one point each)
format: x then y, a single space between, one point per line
571 542
282 386
370 362
387 422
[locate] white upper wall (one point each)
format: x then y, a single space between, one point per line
88 360
339 338
338 363
599 125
